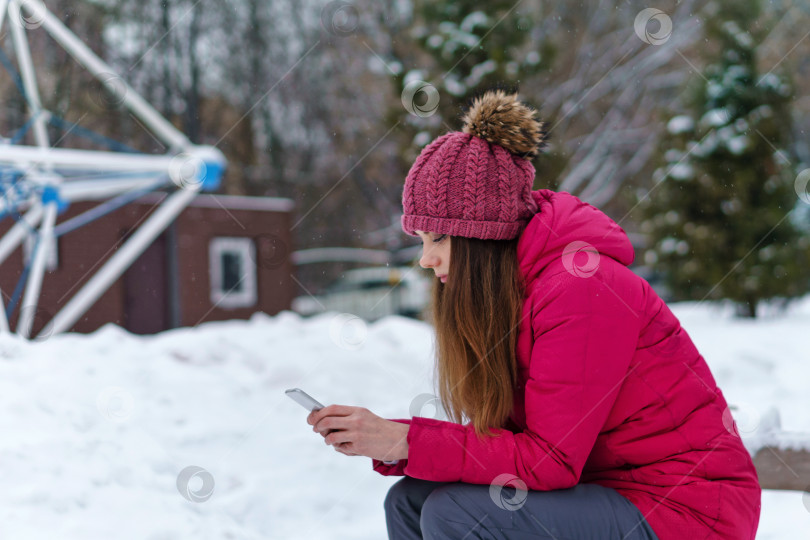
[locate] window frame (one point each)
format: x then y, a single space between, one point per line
245 248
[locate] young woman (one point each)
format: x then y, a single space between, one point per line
583 394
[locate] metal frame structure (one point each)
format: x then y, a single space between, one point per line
36 181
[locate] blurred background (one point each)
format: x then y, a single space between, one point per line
687 123
169 163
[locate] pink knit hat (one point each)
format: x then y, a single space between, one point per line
476 182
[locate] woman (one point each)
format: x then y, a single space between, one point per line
583 393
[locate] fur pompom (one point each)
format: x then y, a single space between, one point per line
500 118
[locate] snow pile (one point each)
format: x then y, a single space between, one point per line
101 429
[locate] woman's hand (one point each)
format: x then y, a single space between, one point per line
356 431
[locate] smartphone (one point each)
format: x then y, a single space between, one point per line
304 399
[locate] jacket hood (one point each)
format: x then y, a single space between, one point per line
564 224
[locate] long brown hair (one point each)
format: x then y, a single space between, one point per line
475 316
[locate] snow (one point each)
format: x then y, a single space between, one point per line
737 145
435 41
715 117
422 138
769 80
474 20
413 75
456 37
680 124
785 515
763 111
480 71
714 90
734 74
395 66
379 66
99 427
741 125
681 171
731 206
454 86
705 146
673 245
743 38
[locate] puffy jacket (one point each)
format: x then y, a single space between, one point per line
611 390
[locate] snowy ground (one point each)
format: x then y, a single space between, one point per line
99 427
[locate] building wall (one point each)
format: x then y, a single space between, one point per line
270 233
83 251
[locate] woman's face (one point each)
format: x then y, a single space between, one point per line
435 253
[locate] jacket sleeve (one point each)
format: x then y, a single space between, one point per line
393 469
585 335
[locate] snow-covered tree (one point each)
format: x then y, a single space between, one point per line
718 215
467 46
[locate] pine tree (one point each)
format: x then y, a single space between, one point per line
718 216
469 47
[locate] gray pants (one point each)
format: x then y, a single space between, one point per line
416 509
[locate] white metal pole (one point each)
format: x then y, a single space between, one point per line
102 189
10 202
17 232
113 163
27 72
86 57
29 304
3 319
3 11
34 285
22 157
123 257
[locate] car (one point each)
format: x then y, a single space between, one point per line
371 293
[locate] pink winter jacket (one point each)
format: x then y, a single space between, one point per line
611 390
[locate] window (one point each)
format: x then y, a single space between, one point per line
51 253
232 269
